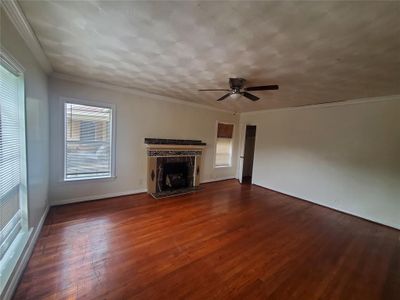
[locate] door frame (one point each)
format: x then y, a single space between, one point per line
242 139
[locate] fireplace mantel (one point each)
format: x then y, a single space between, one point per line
175 142
177 147
163 151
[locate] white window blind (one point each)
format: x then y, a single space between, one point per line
223 151
223 156
11 154
88 141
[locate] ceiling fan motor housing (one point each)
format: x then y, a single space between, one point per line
236 83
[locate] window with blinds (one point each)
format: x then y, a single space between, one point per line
88 142
12 160
223 151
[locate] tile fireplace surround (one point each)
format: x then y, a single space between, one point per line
173 166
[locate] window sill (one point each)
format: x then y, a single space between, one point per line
220 167
89 179
12 256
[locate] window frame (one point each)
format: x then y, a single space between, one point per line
17 246
63 101
216 141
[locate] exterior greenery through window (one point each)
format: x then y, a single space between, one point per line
88 142
223 151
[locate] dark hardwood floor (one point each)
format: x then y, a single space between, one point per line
228 241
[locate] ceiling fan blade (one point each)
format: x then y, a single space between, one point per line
213 90
224 96
250 96
262 88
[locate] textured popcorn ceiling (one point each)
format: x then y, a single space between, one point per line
316 51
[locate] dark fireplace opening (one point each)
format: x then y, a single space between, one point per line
175 176
175 173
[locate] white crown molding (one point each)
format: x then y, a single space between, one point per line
22 25
327 104
133 91
10 62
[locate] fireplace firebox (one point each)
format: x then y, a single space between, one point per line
174 172
175 176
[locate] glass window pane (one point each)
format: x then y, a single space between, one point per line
11 153
223 156
88 141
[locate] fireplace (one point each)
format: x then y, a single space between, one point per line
173 166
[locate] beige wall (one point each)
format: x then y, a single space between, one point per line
345 156
138 115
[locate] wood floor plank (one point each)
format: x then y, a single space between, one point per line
227 241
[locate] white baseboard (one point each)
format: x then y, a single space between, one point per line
339 209
118 194
23 261
217 179
97 197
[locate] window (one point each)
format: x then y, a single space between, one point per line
13 197
88 141
223 151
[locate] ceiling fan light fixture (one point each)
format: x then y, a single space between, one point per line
235 95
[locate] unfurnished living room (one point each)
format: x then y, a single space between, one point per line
199 149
